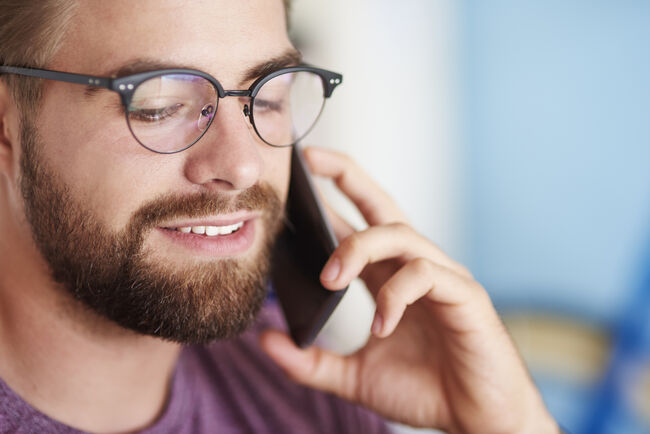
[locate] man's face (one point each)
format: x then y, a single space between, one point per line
104 210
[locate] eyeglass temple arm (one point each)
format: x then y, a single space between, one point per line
67 77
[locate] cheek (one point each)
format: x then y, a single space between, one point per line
110 173
107 170
278 169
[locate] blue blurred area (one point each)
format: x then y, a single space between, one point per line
557 133
558 146
612 408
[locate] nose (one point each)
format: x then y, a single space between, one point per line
227 157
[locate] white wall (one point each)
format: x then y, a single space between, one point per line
397 111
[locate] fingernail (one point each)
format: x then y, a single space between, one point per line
377 324
331 270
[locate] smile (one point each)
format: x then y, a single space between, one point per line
213 237
210 231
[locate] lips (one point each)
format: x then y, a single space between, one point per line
210 231
205 237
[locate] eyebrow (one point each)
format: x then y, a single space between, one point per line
291 57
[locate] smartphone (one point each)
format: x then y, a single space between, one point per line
300 253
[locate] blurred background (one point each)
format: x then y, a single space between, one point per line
517 137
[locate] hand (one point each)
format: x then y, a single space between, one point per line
439 356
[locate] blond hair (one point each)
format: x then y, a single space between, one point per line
31 32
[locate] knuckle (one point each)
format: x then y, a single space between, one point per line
481 293
348 161
477 293
349 164
318 371
390 295
462 269
400 227
352 245
420 265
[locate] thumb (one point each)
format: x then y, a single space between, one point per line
313 367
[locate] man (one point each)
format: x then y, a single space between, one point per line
135 230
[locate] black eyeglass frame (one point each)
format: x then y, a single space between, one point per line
127 85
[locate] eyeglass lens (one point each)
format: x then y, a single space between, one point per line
170 112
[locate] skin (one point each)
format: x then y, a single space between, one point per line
72 365
440 357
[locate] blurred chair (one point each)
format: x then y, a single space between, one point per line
595 376
622 404
567 353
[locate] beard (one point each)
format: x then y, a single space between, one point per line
112 275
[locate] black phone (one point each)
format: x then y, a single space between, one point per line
300 253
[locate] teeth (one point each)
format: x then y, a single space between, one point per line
211 231
200 230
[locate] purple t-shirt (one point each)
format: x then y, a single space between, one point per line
225 387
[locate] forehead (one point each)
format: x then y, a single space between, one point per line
222 37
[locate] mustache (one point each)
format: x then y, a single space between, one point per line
260 197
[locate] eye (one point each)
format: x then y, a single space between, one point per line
154 114
265 105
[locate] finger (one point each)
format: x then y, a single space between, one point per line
368 196
376 206
378 243
417 279
313 367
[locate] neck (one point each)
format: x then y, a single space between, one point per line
69 363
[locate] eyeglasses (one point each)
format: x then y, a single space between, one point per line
169 110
